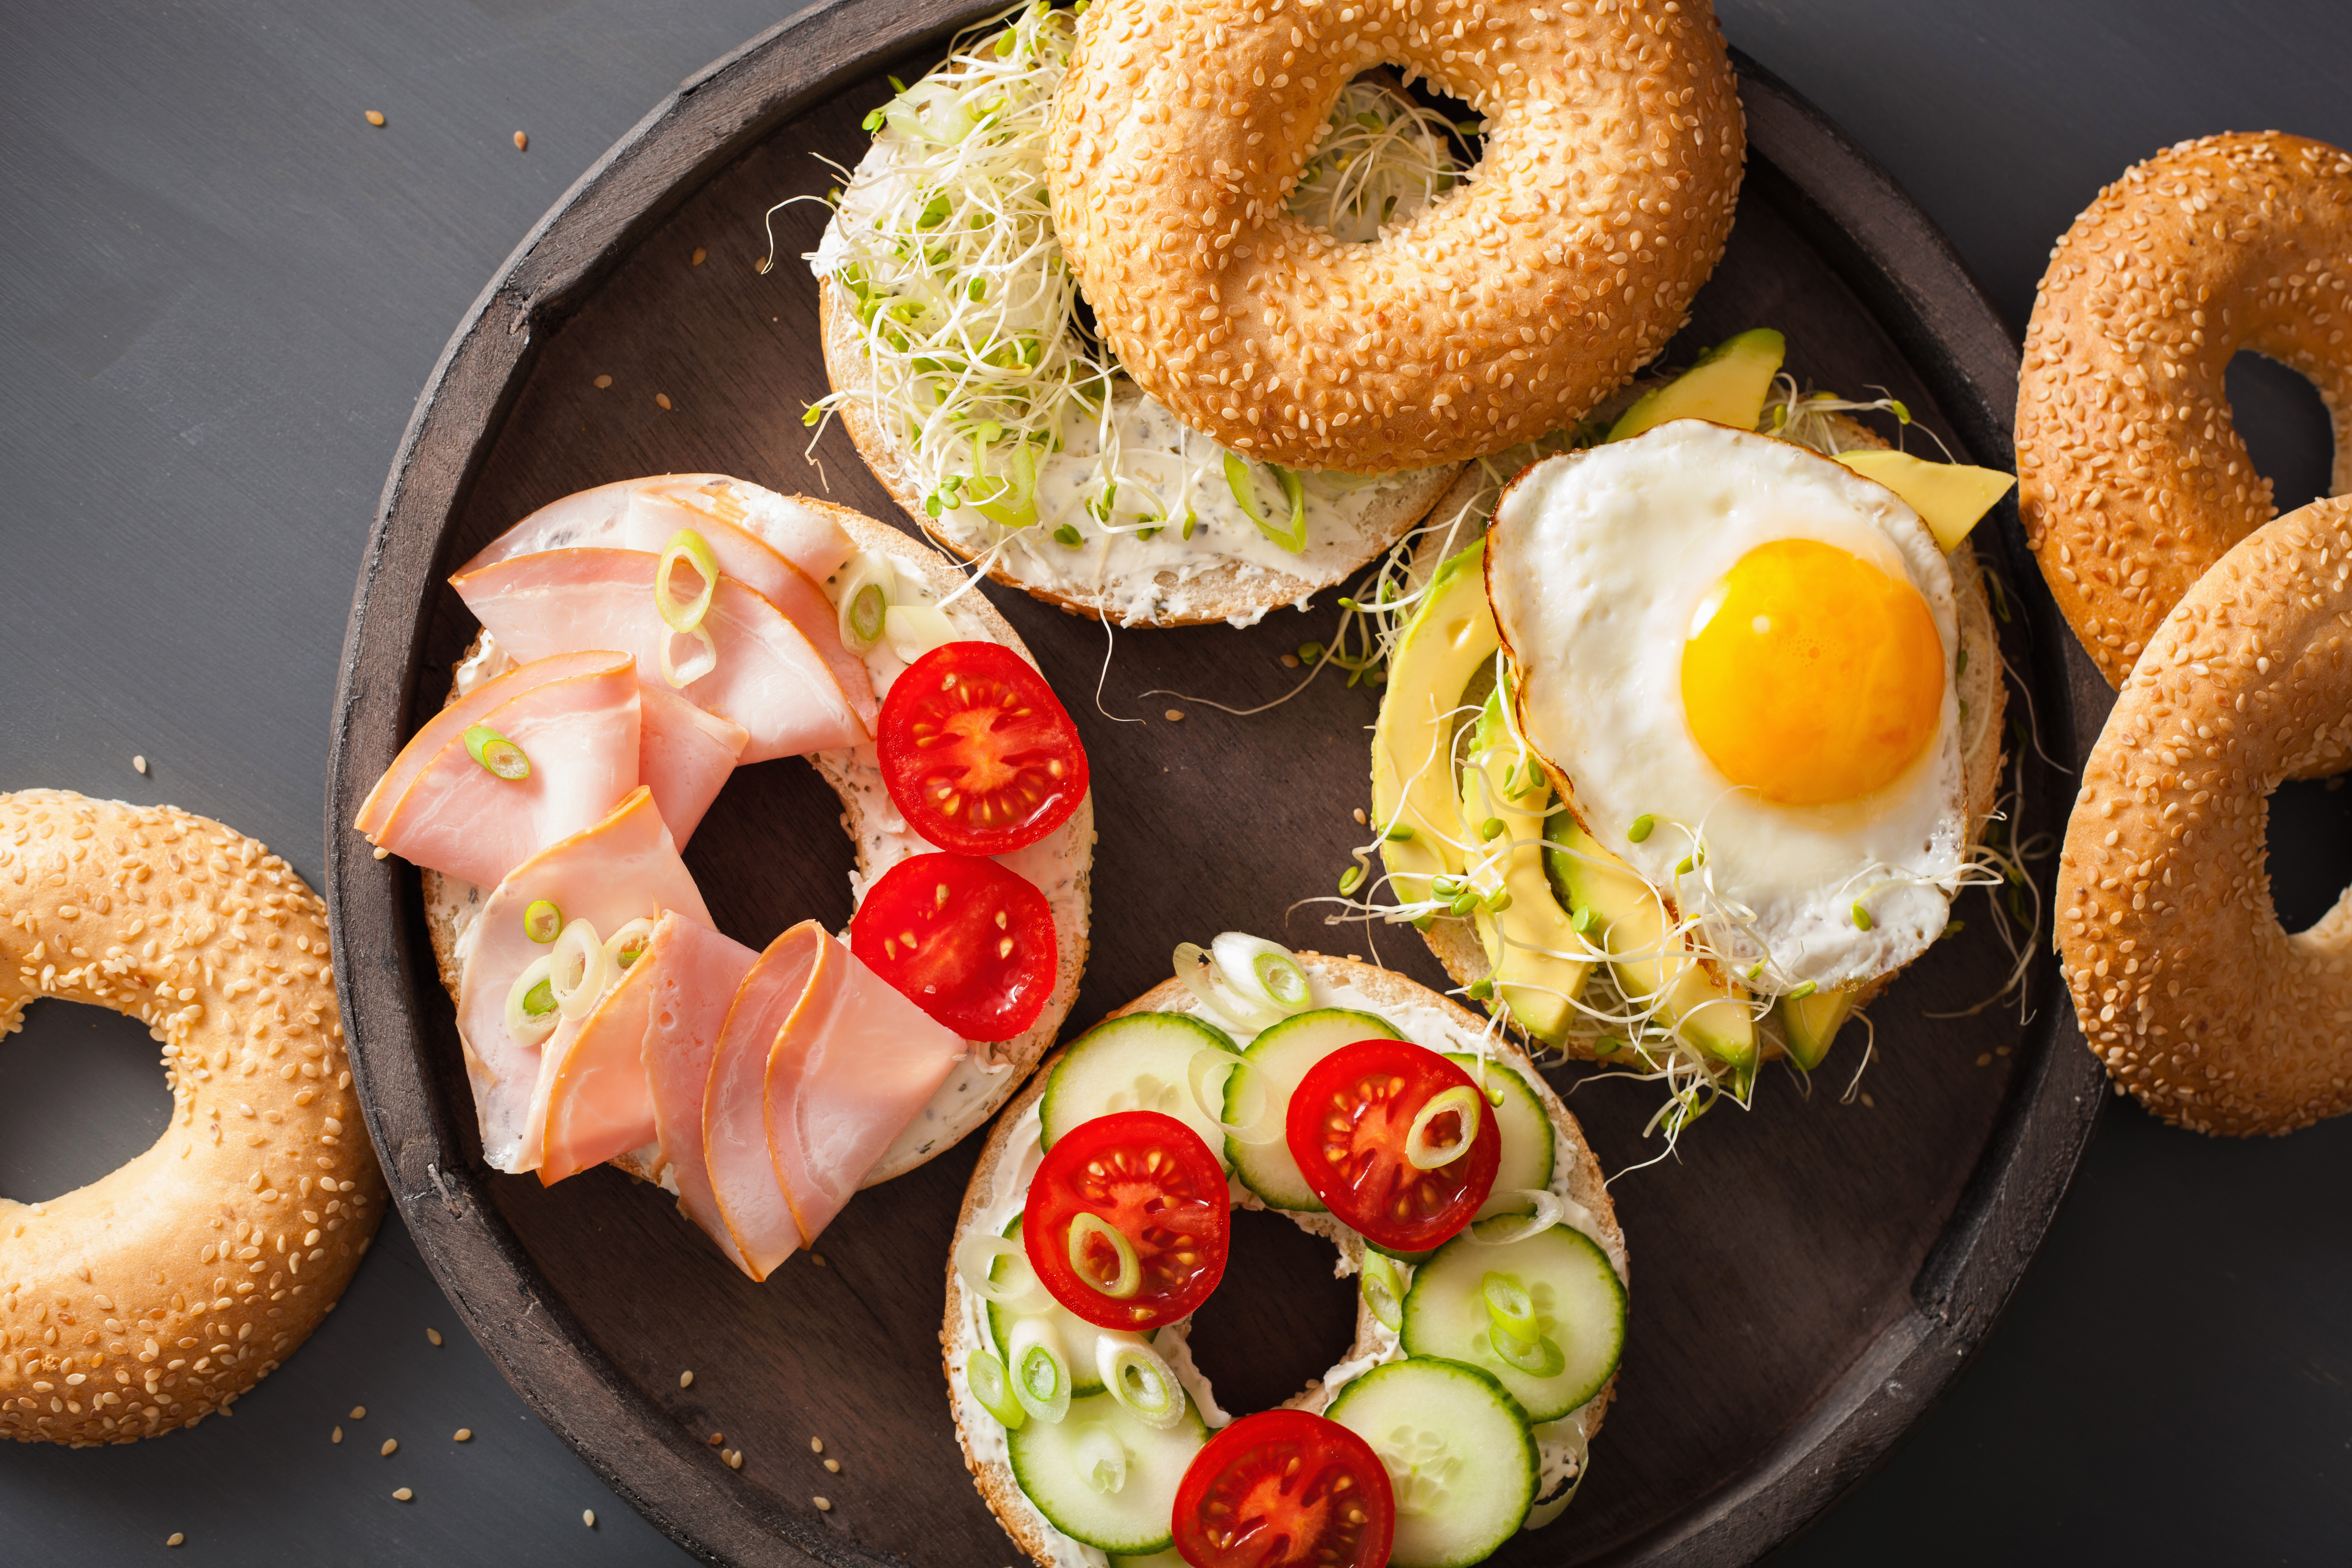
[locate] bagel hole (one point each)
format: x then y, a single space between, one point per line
1278 1319
2289 437
82 1092
1460 149
2310 848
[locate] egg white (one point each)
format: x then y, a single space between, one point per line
1596 563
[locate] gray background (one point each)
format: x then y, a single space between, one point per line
220 290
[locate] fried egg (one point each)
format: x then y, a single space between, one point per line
1737 659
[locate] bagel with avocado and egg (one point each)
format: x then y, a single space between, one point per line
1687 753
1368 1110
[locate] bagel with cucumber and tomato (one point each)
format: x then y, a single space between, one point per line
1694 730
1368 1110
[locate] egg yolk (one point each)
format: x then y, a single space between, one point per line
1810 674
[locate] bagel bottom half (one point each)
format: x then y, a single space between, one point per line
1338 982
158 1294
2202 1006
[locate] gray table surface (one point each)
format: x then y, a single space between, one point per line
220 290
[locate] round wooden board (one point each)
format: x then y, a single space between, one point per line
1808 1279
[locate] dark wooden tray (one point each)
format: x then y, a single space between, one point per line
1808 1280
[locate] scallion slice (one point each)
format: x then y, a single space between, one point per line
498 754
1383 1290
1257 1126
1510 1310
865 595
578 970
1294 490
1041 1373
975 1264
1087 1230
1541 1359
695 669
1101 1460
684 614
983 1377
543 921
530 1015
1139 1379
628 944
1261 973
1515 1216
1462 1103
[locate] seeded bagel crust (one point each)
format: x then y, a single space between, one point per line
162 1291
1387 990
2203 1008
2132 478
1500 313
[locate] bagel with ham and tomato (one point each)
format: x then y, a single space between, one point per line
640 641
1373 1113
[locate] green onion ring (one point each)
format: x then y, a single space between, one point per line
1462 1102
1041 1375
1510 1310
628 944
1383 1290
1088 1227
695 669
530 1014
984 1379
498 754
542 922
1140 1380
1541 1359
1102 1460
694 550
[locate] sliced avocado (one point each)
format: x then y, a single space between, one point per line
1811 1022
1448 638
1630 922
1948 496
1727 386
1537 987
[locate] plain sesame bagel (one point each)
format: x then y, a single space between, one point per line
1502 311
2133 478
2186 985
158 1294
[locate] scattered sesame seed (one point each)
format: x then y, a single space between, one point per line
698 254
1868 1101
1355 958
175 1538
824 1505
816 1445
465 1434
603 381
522 142
686 1380
336 1437
2001 1050
1362 820
382 854
833 1465
1290 661
1173 714
588 1517
404 1495
1984 1059
390 1444
716 1438
374 117
818 1258
432 1334
359 1412
662 398
139 764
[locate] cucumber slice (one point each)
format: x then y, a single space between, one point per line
1171 1558
1140 1062
1077 1335
1458 1453
1050 1461
1527 1130
1278 1058
1579 1307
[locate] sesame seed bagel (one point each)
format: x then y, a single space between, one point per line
2132 476
158 1294
1504 311
2201 1005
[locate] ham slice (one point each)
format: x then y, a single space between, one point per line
459 717
645 515
684 756
593 1101
658 506
770 679
581 731
820 1067
625 867
694 973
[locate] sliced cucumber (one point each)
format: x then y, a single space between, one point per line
1171 1558
1527 1130
1059 1466
1077 1335
1140 1062
1579 1307
1277 1059
1458 1453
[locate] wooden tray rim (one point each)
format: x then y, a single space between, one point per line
1884 246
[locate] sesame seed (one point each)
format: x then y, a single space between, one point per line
686 1380
824 1505
662 398
1984 1058
175 1538
818 1258
834 1465
374 117
1173 714
716 1438
402 1495
434 1335
391 1444
816 1445
1868 1101
465 1434
359 1412
336 1437
603 382
588 1517
698 254
139 764
1289 661
1362 820
522 142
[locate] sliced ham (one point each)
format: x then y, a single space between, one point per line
751 1201
851 1068
625 867
462 715
795 530
645 515
694 973
593 1100
581 731
684 756
770 679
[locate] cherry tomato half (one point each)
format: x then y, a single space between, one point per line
1128 1220
1348 1121
978 753
965 939
1284 1488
